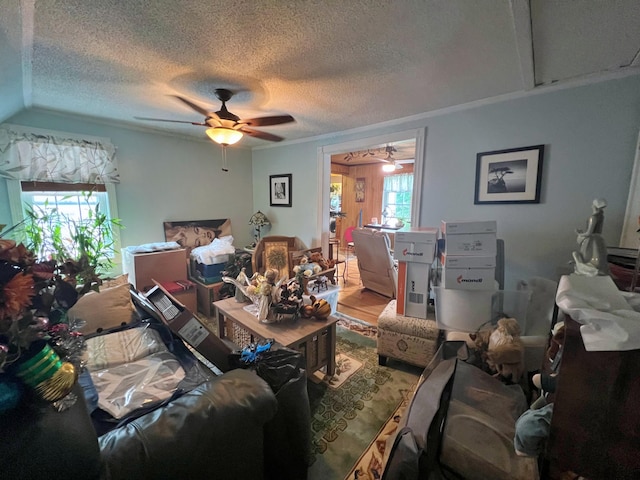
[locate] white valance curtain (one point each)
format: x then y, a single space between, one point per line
30 155
402 182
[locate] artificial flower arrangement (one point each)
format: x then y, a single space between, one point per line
40 353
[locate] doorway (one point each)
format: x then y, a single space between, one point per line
370 151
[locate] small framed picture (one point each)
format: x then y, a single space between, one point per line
280 190
360 190
509 176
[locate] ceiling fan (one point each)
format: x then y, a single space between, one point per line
390 162
226 128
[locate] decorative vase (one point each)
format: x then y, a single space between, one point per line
44 371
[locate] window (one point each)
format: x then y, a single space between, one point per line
51 170
396 197
72 202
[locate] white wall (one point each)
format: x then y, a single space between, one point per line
589 134
163 178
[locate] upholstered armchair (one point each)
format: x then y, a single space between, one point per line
378 270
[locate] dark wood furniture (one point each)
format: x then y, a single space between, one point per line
595 428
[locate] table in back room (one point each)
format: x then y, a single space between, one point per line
315 339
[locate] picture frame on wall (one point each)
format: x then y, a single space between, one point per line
190 234
509 176
280 190
359 188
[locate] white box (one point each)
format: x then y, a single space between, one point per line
469 278
416 245
468 261
471 311
479 244
456 228
413 289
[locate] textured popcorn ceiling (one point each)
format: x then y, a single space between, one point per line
333 65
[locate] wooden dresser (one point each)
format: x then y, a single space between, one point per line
595 428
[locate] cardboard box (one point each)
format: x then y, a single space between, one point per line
416 245
184 291
467 261
469 278
189 328
479 244
163 266
457 228
413 289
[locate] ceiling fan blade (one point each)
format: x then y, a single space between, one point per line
266 121
262 135
195 107
173 121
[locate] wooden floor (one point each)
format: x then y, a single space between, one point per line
355 300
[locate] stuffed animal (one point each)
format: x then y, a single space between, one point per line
316 257
502 349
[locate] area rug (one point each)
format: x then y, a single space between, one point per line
348 414
370 463
356 325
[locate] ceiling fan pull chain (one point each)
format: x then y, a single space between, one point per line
224 158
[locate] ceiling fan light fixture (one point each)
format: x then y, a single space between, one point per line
389 167
224 135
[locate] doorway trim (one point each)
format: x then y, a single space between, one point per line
324 173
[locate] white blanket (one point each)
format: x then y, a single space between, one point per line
217 251
609 323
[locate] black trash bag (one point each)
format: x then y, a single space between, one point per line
248 356
279 365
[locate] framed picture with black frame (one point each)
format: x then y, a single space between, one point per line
509 176
280 190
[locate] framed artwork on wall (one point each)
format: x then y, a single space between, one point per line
509 176
359 187
196 233
280 190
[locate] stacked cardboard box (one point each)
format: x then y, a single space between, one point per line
467 254
415 251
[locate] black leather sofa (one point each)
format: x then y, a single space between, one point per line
231 426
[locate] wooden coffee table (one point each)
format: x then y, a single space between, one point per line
315 339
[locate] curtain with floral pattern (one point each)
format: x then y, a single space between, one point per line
43 157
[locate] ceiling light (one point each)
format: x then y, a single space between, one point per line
389 167
223 135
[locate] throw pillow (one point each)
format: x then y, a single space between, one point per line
108 308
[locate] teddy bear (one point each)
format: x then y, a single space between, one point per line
316 257
502 349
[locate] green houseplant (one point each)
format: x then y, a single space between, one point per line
52 234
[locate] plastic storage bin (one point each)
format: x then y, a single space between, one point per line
473 310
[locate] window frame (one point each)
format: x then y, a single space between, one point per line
409 204
16 206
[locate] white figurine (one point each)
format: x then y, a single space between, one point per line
591 259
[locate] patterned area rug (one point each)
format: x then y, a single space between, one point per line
356 325
369 465
347 414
